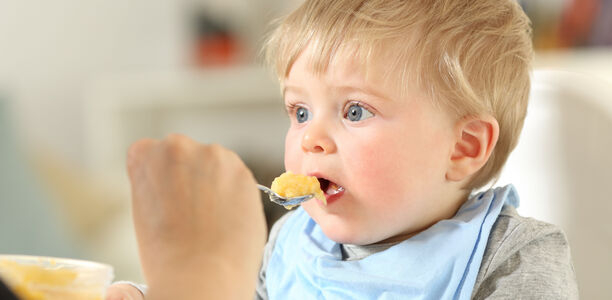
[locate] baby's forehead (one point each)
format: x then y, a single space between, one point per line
345 59
381 68
348 71
342 70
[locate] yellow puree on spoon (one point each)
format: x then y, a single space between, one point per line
293 185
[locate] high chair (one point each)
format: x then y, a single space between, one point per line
562 169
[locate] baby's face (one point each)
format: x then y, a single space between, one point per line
383 156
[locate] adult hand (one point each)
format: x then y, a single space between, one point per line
198 218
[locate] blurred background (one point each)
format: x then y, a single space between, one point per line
81 80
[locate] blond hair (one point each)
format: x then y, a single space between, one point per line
472 57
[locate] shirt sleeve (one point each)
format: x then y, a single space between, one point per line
261 293
530 260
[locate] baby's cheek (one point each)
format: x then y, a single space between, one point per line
371 166
292 153
380 170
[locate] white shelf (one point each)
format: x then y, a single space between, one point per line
238 107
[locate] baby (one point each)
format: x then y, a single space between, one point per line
402 110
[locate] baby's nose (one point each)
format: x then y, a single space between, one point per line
317 139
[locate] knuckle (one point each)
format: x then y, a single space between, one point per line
225 161
237 165
217 149
178 146
214 151
137 150
244 173
176 137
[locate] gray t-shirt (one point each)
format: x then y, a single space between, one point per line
524 259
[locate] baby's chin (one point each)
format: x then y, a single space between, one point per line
340 232
351 238
349 230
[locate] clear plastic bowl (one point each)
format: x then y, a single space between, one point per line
49 278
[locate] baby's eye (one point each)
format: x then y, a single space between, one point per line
356 113
302 115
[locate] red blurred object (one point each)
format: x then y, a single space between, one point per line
215 43
216 50
577 21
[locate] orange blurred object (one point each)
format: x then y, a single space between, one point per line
216 50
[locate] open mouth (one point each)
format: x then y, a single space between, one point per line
329 187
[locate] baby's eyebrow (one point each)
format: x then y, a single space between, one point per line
368 90
365 90
293 88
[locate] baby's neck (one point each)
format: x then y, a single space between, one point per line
448 213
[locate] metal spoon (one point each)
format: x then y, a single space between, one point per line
276 198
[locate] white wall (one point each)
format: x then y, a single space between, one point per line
60 62
51 50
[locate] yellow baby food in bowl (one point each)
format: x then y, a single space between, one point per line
48 278
293 185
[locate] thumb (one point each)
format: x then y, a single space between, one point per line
118 296
120 292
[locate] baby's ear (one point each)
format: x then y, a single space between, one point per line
475 139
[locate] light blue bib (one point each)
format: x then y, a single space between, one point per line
441 262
